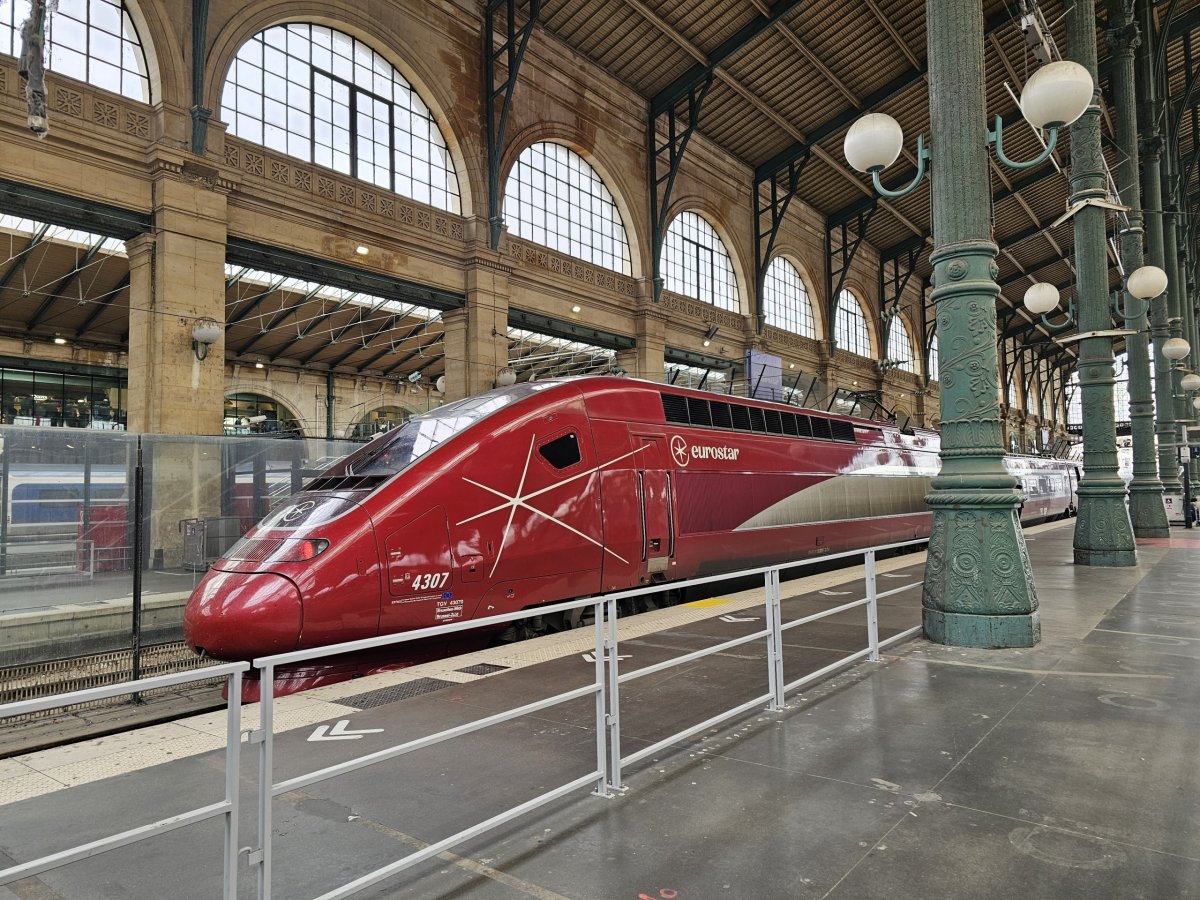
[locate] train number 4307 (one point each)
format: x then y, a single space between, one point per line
430 581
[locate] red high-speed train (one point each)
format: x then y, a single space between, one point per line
552 490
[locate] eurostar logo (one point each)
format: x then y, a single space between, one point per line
684 454
679 450
521 500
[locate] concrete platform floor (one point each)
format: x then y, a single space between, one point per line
1068 770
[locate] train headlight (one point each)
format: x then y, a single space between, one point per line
277 549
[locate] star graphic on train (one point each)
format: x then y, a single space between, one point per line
520 500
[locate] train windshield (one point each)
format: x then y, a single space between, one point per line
402 446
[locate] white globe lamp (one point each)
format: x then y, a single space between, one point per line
1040 298
1146 282
1175 348
873 142
1056 94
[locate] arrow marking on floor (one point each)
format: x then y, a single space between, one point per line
339 732
833 593
738 618
591 657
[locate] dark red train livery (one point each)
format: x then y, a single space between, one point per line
551 490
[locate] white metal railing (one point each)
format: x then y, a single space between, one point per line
48 557
268 789
227 808
606 776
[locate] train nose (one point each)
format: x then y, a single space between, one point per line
236 615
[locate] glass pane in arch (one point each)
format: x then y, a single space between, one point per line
850 326
325 97
554 197
1074 401
376 421
933 358
88 40
785 299
696 264
248 413
900 345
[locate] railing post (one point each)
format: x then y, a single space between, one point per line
872 607
774 640
601 701
609 654
266 778
233 747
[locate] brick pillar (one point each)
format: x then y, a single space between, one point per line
645 359
177 276
476 343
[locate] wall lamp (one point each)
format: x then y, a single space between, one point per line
1055 96
1041 299
1144 283
205 333
710 334
1176 348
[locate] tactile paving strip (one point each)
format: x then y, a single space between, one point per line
395 692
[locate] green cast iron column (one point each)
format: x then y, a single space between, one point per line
1177 299
1174 304
1146 509
1104 533
1152 204
979 589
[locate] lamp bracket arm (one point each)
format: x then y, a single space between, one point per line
1068 319
996 138
1121 301
922 156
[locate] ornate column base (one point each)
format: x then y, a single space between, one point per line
984 632
979 589
1103 533
1147 512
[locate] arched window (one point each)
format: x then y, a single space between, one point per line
93 42
850 326
371 423
933 358
785 299
696 264
1074 401
328 98
554 197
900 345
1121 414
256 414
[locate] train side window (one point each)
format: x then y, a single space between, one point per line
562 452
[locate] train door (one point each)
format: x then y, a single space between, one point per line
656 502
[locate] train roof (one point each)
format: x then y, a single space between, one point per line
588 384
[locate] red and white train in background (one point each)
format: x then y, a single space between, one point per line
552 490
